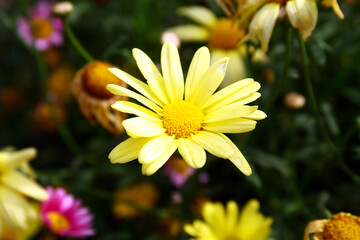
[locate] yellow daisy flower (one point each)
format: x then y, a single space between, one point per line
226 223
302 15
222 35
16 211
189 117
344 226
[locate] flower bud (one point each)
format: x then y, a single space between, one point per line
294 100
62 9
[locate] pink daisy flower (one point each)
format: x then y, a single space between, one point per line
178 171
41 29
64 215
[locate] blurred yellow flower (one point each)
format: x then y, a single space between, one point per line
188 117
226 223
222 35
130 200
89 89
16 211
302 15
59 82
26 234
341 226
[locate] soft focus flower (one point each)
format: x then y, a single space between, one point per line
341 226
59 82
25 234
43 116
302 15
222 36
52 57
188 117
226 223
178 171
16 211
11 98
170 228
65 216
129 201
41 29
89 88
172 37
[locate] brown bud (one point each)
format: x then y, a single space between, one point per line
294 100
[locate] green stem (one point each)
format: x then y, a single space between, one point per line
63 130
313 102
281 83
76 42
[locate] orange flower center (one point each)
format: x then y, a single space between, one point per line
178 165
226 34
96 76
342 226
58 222
41 28
182 119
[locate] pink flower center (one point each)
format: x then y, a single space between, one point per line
58 222
41 28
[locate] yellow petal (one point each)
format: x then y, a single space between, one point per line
213 143
335 6
199 14
15 211
236 68
252 223
142 127
151 74
133 108
214 215
209 82
136 84
257 115
303 15
237 158
193 154
172 72
11 160
19 182
198 66
238 125
232 111
231 216
262 24
151 167
190 33
128 150
121 91
235 92
154 148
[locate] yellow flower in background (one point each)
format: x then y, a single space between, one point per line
16 211
89 89
341 226
222 35
130 200
302 15
25 234
189 117
226 223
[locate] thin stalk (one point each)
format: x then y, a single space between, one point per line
76 42
63 130
281 83
314 106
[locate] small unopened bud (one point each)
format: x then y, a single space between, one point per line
172 37
294 100
62 9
